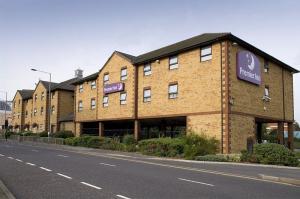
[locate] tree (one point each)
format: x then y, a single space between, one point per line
296 126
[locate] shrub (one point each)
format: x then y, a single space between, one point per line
270 153
215 158
166 147
199 145
129 140
63 134
69 141
29 133
43 134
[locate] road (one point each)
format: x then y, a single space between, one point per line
46 171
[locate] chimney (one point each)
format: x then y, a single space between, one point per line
79 73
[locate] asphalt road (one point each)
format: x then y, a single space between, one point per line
64 172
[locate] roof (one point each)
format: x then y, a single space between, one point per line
128 56
46 84
67 118
26 93
202 40
87 78
66 85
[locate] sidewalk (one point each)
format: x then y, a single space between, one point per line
4 192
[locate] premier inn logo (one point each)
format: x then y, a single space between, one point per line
248 67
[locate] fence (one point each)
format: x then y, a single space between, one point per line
46 140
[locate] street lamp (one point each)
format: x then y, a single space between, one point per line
49 107
5 107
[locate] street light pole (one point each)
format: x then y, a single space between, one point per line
49 99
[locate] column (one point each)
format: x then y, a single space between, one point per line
101 129
259 133
78 129
136 129
280 133
291 135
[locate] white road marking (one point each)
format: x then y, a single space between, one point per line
65 176
34 150
19 160
45 169
124 197
111 165
10 158
30 164
90 185
64 156
196 182
1 155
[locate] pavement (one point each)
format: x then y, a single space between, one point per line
49 171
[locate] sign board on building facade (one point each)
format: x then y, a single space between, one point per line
112 88
248 67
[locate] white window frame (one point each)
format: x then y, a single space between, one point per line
123 98
42 95
93 103
52 109
35 112
173 94
267 91
172 64
93 84
105 101
106 78
123 76
80 88
146 96
205 56
147 69
266 66
42 110
80 106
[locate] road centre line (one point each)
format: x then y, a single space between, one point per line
1 155
64 156
10 158
45 169
34 150
19 160
111 165
90 185
30 164
196 182
124 197
65 176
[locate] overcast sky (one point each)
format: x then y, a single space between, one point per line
61 35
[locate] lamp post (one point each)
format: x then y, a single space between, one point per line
49 97
5 107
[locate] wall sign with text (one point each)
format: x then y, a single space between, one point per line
112 88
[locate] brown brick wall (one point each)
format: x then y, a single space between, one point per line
17 111
38 118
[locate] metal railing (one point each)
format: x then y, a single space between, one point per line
46 140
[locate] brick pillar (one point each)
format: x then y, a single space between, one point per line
78 129
137 129
291 135
101 129
280 133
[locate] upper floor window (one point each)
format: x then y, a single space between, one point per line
34 112
19 102
52 109
173 91
52 95
26 114
147 69
42 110
266 66
93 84
267 91
147 94
206 53
42 96
35 97
173 62
80 88
105 101
93 103
123 73
123 97
106 78
80 106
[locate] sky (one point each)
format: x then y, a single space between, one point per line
61 36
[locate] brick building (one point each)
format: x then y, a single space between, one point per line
213 83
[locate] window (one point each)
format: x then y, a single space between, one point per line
173 62
41 127
267 91
266 66
106 78
80 106
42 110
105 101
206 53
123 97
26 114
19 102
52 109
93 103
173 91
35 97
14 104
52 96
35 111
147 95
147 70
123 74
42 96
80 88
93 84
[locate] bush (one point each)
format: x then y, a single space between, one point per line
215 158
43 134
29 133
129 140
63 134
166 147
271 153
199 145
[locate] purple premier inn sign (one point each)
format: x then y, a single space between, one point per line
248 67
112 88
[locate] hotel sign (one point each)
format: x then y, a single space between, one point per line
112 88
248 67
